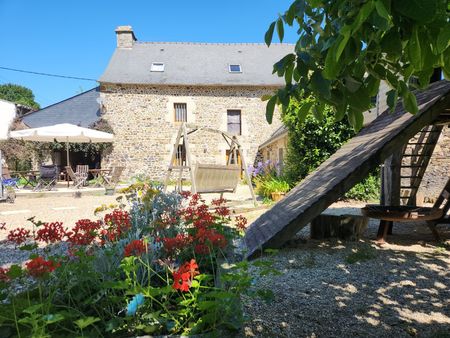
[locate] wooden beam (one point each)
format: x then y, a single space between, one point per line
391 178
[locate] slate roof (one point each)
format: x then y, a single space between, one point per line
348 166
82 110
280 132
196 64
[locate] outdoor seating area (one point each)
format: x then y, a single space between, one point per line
51 178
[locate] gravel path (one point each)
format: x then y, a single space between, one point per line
66 209
400 289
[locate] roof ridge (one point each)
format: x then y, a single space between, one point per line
209 43
54 104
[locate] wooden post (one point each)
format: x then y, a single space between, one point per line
391 179
391 182
247 176
188 160
172 158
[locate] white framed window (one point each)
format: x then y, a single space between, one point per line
180 112
234 68
157 67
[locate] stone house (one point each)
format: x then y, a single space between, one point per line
150 88
275 147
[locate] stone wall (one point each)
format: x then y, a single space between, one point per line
438 170
271 152
142 117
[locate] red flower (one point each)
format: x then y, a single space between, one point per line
195 198
171 245
182 278
185 194
18 235
241 222
218 201
4 275
207 239
84 232
222 211
118 222
135 248
50 232
39 267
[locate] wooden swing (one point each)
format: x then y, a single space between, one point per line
207 178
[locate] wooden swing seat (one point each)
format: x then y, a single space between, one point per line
213 178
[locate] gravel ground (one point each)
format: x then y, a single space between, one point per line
398 289
401 288
66 209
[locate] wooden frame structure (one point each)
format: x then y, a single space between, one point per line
381 139
208 178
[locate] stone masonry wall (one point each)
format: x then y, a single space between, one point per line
142 117
438 170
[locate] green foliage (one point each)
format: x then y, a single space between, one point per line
345 48
268 184
367 190
18 94
311 141
88 148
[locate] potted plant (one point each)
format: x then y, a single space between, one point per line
277 188
272 187
110 189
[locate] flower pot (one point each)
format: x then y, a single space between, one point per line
276 196
110 191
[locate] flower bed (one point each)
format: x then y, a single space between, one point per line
150 270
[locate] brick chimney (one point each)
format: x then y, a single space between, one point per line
125 37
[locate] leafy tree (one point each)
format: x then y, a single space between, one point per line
312 141
18 94
346 47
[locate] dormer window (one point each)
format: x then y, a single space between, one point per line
235 69
157 67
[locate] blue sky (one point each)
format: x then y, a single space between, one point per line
76 38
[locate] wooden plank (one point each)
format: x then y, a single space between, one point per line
344 169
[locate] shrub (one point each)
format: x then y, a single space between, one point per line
367 190
313 139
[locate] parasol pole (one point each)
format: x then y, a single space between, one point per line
67 150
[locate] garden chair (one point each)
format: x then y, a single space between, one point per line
113 177
82 172
78 181
48 175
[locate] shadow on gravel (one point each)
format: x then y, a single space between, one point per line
347 289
